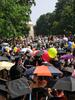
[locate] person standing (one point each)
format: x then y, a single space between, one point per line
16 72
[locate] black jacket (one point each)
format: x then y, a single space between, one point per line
16 72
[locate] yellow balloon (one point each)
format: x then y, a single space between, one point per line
52 52
7 49
73 45
15 49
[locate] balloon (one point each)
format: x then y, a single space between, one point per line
15 49
45 56
69 44
24 50
52 52
7 49
3 49
73 45
18 49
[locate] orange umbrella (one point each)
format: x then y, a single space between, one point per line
42 71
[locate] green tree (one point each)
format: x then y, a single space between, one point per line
14 14
65 15
62 19
44 23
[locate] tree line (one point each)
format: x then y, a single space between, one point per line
60 21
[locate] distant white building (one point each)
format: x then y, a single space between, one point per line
31 31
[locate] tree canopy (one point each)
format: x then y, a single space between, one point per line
59 21
14 14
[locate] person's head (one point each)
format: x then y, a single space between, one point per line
18 61
49 90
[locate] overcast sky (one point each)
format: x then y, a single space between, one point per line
42 7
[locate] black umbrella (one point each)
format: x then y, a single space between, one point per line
18 87
65 83
68 69
3 85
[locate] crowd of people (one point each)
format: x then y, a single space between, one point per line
27 53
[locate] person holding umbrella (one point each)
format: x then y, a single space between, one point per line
16 71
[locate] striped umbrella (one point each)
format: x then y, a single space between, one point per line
42 71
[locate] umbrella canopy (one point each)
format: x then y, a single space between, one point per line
2 58
42 71
67 56
3 85
54 70
4 44
50 69
29 71
65 83
68 69
24 50
5 65
18 87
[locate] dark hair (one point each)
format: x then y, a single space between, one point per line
17 59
